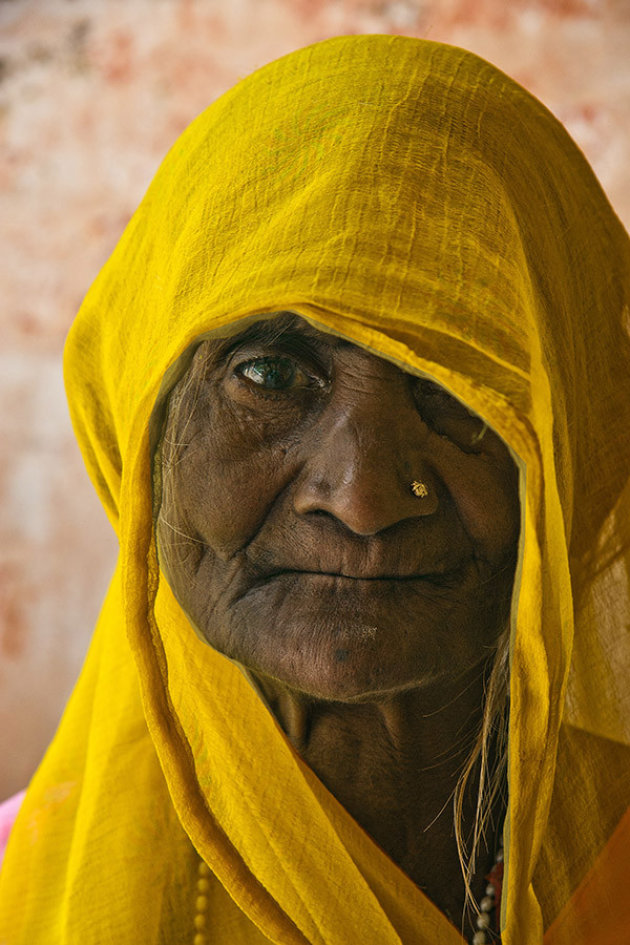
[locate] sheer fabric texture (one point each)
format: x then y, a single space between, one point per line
410 197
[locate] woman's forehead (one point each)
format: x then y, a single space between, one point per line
284 325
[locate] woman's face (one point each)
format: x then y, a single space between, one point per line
289 531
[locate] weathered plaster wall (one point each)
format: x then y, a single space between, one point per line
92 94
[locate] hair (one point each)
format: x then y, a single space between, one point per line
488 759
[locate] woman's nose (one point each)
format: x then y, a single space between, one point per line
363 467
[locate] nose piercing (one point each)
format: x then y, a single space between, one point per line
419 489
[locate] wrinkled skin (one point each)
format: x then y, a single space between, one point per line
367 616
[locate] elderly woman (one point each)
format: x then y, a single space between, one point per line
354 389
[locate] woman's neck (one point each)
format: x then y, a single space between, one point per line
394 765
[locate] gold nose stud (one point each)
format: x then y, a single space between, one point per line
419 489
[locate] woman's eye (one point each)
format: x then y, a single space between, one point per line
277 374
435 399
447 416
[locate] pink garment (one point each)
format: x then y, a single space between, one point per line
8 813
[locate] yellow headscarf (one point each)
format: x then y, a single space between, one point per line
411 197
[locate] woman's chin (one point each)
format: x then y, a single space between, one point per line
353 641
343 673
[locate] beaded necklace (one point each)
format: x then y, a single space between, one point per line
201 903
487 920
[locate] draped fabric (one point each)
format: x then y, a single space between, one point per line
410 197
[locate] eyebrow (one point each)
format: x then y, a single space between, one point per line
270 330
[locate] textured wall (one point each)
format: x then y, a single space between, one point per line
92 94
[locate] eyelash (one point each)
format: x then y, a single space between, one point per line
276 394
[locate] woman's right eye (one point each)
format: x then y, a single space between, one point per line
277 373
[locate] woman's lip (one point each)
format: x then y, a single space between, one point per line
432 577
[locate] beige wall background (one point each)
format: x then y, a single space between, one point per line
92 94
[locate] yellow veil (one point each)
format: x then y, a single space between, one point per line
411 197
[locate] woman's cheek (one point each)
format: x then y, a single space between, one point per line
483 493
229 495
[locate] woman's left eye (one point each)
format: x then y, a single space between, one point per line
449 417
274 373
